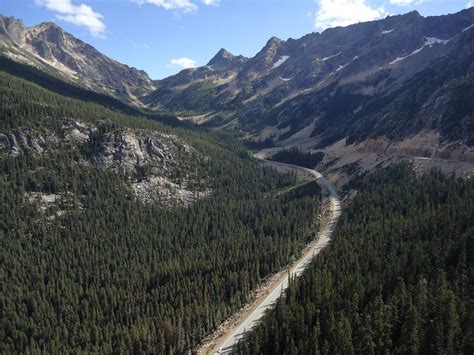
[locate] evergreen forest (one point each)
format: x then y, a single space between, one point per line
297 157
102 272
397 278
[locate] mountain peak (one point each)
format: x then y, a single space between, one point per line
223 53
267 53
48 46
223 58
9 19
273 41
11 28
50 32
48 27
414 13
272 45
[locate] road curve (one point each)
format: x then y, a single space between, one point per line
322 239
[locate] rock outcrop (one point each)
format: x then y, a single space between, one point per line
154 165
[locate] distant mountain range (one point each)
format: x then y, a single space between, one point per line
372 85
380 77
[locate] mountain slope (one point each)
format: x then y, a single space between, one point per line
196 90
383 78
393 108
51 49
73 90
112 225
401 85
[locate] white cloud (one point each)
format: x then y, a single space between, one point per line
182 5
140 45
185 63
332 13
405 2
469 4
210 2
79 15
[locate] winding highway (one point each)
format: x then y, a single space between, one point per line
226 341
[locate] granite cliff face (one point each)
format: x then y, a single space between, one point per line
150 162
49 48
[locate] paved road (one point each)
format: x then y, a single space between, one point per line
225 346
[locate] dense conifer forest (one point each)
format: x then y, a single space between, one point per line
398 276
102 272
137 216
297 157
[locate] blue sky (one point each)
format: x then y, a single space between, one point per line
163 36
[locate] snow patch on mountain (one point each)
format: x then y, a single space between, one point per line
468 28
429 42
342 67
331 56
280 61
433 40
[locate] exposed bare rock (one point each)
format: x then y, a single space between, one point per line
44 200
166 192
17 142
77 132
393 78
53 205
154 163
4 143
133 152
49 48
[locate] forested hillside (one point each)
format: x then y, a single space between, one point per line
85 266
297 157
397 278
64 88
134 220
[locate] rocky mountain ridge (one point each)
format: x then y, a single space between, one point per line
286 69
393 80
384 83
49 48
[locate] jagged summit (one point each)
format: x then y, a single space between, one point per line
48 47
413 13
10 28
272 45
323 87
49 25
226 60
221 59
274 40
